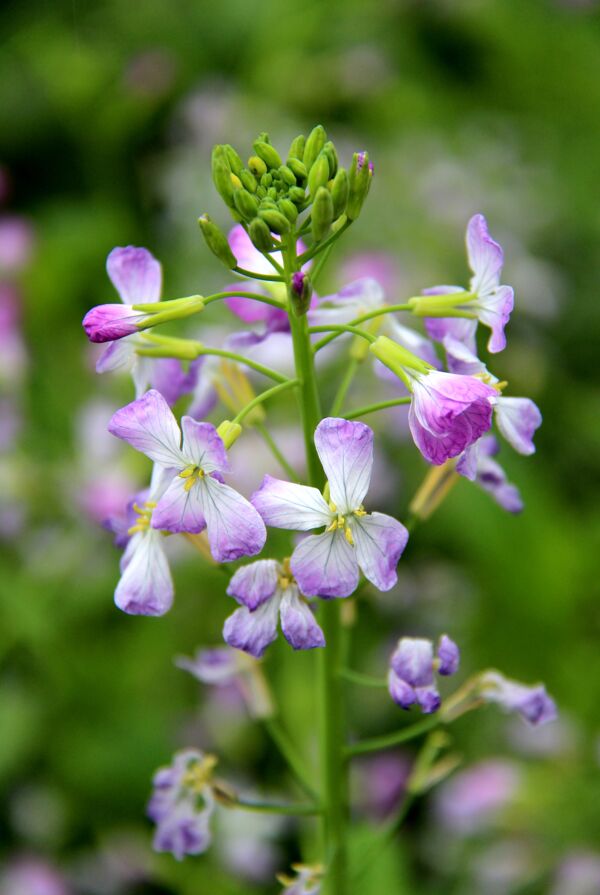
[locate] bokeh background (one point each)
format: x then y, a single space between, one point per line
108 112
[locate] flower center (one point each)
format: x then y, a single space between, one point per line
144 515
192 474
199 773
343 522
286 577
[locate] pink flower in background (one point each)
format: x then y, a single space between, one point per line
16 243
474 798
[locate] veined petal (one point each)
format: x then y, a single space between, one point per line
169 378
180 508
118 355
379 541
485 256
325 565
146 586
105 323
517 419
492 478
252 632
346 452
401 692
234 526
211 666
462 329
149 426
203 446
461 360
467 462
298 623
412 661
248 257
255 583
184 832
448 654
286 505
141 373
439 448
136 275
494 311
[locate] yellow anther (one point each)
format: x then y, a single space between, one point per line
348 535
332 507
341 521
189 484
360 512
191 474
187 472
284 582
500 386
199 773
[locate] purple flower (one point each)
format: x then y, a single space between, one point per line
492 303
16 243
268 592
31 875
448 413
195 499
478 465
411 675
327 564
213 666
306 880
532 703
182 804
474 797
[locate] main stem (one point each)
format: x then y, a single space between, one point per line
330 684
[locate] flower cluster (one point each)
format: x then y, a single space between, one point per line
412 666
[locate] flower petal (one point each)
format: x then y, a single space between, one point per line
533 703
211 666
146 586
494 311
118 355
203 446
412 340
169 378
136 275
401 692
428 698
104 323
485 256
379 541
449 655
412 660
149 426
233 525
286 505
325 565
346 452
461 360
184 832
253 584
298 622
245 308
517 419
180 508
252 632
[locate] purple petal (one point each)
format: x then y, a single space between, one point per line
146 586
402 694
462 329
532 703
169 378
248 257
517 419
104 323
467 462
449 655
203 446
485 256
255 583
119 355
379 541
428 699
492 478
245 308
412 661
346 452
298 623
325 565
180 508
252 632
149 426
136 275
494 311
233 525
461 359
211 666
285 505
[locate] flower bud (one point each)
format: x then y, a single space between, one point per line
235 162
259 233
359 182
266 180
339 192
277 221
287 175
398 359
246 204
296 194
287 207
322 213
331 154
300 292
217 241
298 168
248 180
318 174
267 153
229 433
221 174
297 148
314 145
257 166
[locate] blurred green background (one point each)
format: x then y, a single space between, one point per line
108 112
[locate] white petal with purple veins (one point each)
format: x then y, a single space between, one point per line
379 541
346 452
287 505
494 311
412 661
325 565
253 584
136 275
298 624
234 526
203 446
252 632
180 508
485 256
146 586
517 419
149 426
118 355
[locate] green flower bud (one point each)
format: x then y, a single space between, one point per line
235 162
221 174
322 213
275 219
261 192
229 432
266 180
287 207
236 182
248 180
359 182
246 204
296 194
287 175
217 241
263 137
318 174
339 192
297 148
267 153
257 166
314 144
300 292
272 193
332 157
298 168
260 235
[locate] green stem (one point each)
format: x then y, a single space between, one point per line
371 408
291 756
317 270
250 275
341 328
275 450
290 383
364 680
392 739
345 384
253 296
276 808
378 312
323 245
